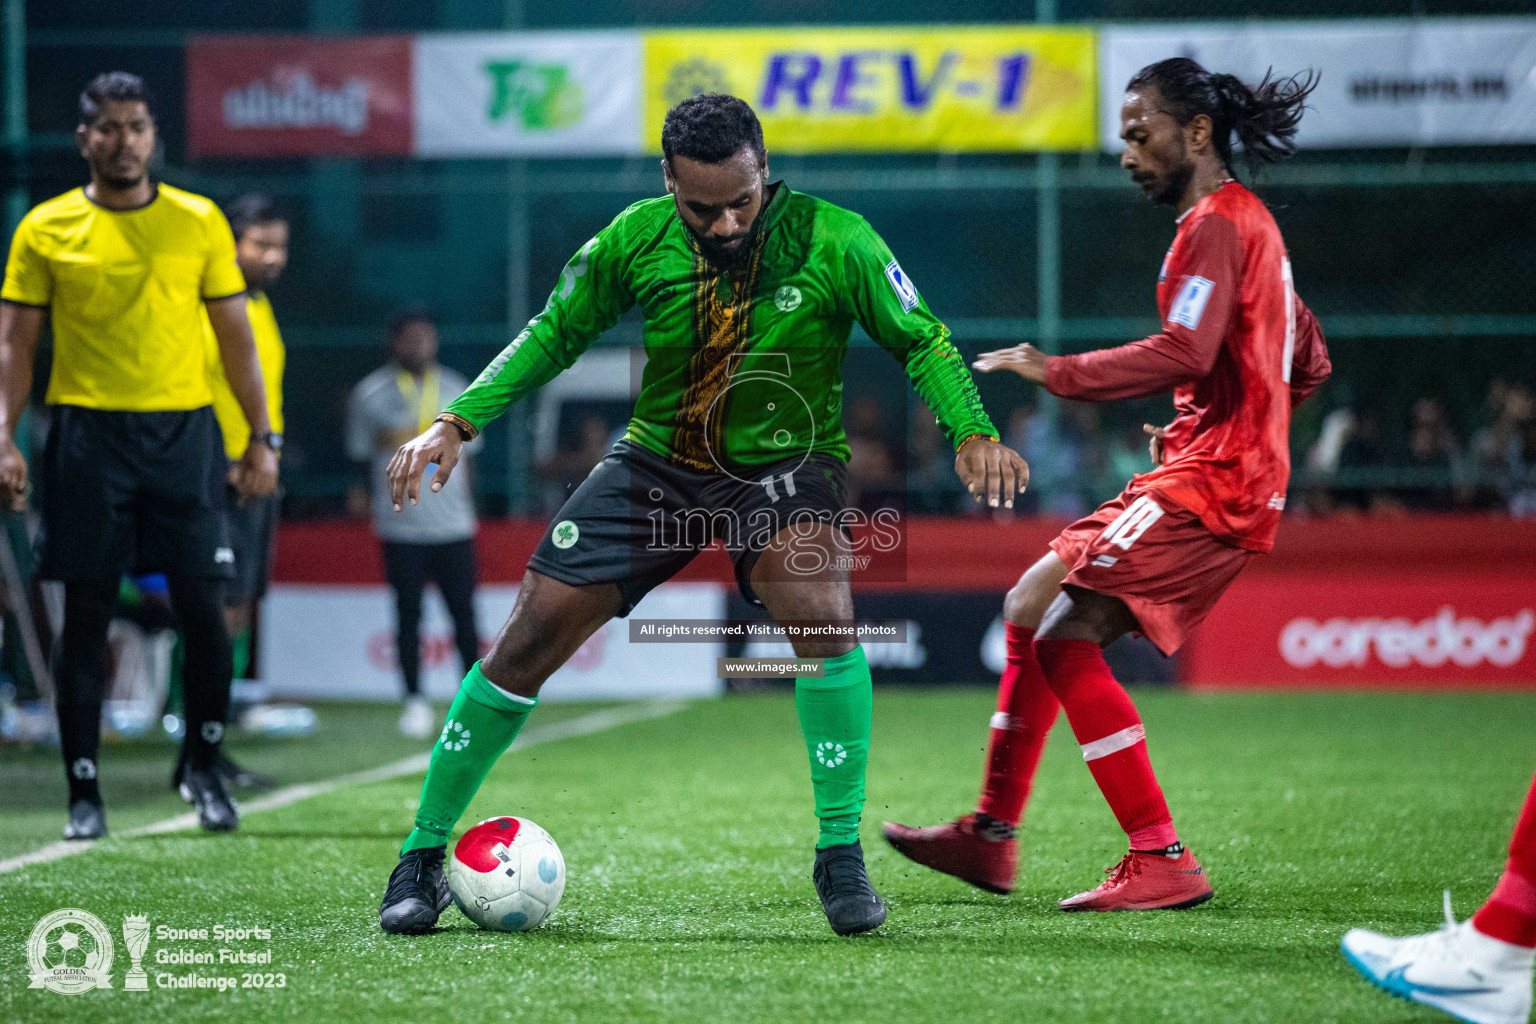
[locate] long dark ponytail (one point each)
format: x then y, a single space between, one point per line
1263 119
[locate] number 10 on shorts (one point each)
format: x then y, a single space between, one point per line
1132 523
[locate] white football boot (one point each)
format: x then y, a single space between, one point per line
417 720
1457 969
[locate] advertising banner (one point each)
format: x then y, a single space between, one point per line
528 94
996 88
1322 629
336 641
1385 82
270 96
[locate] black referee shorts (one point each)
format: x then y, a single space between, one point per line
133 492
638 519
252 529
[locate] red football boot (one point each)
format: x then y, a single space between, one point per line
1147 881
983 853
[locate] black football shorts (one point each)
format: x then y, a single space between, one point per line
638 518
133 492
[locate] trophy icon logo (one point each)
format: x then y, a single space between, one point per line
136 937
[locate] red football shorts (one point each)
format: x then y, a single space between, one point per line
1156 557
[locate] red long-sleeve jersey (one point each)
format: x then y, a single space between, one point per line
1239 351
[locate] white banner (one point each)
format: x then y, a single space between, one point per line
527 94
1386 82
338 642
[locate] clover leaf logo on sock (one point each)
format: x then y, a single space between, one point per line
831 754
455 736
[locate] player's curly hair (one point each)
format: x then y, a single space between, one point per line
1263 118
111 86
711 128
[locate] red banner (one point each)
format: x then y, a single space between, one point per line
1346 629
267 96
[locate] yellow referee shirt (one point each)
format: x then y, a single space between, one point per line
271 353
125 289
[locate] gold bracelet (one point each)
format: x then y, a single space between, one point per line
466 429
972 437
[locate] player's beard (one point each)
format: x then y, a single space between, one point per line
108 175
1171 191
722 258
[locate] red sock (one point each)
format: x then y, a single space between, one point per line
1510 913
1114 743
1026 710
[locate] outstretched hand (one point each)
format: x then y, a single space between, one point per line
441 443
991 470
1025 360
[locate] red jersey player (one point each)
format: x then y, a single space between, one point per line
1238 350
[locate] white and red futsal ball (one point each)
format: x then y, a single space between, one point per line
506 874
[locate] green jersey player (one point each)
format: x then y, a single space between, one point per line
749 292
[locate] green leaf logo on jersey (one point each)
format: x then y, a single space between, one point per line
566 533
787 298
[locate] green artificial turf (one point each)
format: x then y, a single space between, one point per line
688 841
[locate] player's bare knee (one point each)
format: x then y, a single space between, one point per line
1030 598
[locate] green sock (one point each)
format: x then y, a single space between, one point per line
240 647
835 714
482 723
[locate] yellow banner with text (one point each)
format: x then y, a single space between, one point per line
936 88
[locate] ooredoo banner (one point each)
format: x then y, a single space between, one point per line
996 88
1402 629
528 94
275 96
1384 82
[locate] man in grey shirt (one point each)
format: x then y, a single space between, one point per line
435 539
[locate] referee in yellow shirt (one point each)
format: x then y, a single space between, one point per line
132 473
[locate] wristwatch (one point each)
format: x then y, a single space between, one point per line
272 439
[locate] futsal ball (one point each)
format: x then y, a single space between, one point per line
506 874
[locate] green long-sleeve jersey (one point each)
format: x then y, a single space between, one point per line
743 367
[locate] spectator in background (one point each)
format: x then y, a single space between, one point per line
873 474
434 539
1433 453
931 482
1060 461
1505 448
569 466
1362 448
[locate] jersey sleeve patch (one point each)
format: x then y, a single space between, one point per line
1189 305
902 285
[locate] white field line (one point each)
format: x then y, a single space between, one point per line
583 725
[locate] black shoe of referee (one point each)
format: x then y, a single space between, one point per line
204 790
851 903
417 892
86 821
234 774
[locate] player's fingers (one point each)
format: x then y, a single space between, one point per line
1007 479
1021 472
994 479
416 465
397 478
445 464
